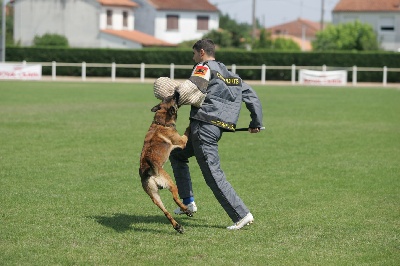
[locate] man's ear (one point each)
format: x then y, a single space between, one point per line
156 108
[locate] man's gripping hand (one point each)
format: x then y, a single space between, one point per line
254 130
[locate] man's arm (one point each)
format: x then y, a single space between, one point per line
253 104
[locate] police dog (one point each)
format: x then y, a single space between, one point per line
161 138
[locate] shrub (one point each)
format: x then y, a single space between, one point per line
48 39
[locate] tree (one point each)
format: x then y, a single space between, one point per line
222 38
230 34
264 40
240 32
285 44
349 36
50 40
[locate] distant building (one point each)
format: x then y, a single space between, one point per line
382 15
176 21
301 31
114 23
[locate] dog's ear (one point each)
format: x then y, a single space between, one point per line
156 108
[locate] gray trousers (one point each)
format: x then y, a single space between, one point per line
203 144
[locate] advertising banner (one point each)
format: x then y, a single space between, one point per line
20 71
331 78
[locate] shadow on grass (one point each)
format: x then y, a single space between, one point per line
121 222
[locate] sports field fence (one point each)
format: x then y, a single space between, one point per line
172 67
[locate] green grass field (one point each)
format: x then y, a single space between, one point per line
323 181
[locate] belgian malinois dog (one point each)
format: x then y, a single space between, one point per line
161 138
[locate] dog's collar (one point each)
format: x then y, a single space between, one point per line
164 125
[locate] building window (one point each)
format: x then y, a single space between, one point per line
125 19
172 22
109 17
202 22
387 24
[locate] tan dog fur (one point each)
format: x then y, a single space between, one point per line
161 138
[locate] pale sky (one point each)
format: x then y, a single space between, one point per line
275 12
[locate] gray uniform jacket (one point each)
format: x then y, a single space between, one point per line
225 93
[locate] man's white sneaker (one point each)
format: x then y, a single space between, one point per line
248 219
191 206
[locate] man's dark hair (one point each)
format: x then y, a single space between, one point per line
207 45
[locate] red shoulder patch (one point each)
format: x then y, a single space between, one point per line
200 71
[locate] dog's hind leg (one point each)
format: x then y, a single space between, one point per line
184 208
174 191
151 188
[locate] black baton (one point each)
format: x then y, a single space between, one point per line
246 129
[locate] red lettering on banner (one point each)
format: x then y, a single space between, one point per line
323 77
29 72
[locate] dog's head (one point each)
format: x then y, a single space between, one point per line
169 106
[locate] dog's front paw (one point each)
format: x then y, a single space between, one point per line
179 228
184 140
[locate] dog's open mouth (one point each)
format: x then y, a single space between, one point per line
176 98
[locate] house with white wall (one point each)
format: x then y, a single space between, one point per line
382 15
85 23
175 21
114 23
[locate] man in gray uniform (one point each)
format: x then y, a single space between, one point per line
224 93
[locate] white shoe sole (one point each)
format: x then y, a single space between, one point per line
247 220
191 207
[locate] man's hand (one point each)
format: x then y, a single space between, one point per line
254 130
187 131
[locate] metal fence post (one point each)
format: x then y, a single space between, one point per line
142 69
293 74
354 75
113 71
171 71
263 70
324 68
53 70
234 69
384 75
83 71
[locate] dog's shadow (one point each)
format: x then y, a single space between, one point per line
121 222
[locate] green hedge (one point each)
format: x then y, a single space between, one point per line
184 57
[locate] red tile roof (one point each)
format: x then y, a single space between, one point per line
139 37
295 28
367 5
186 5
125 3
